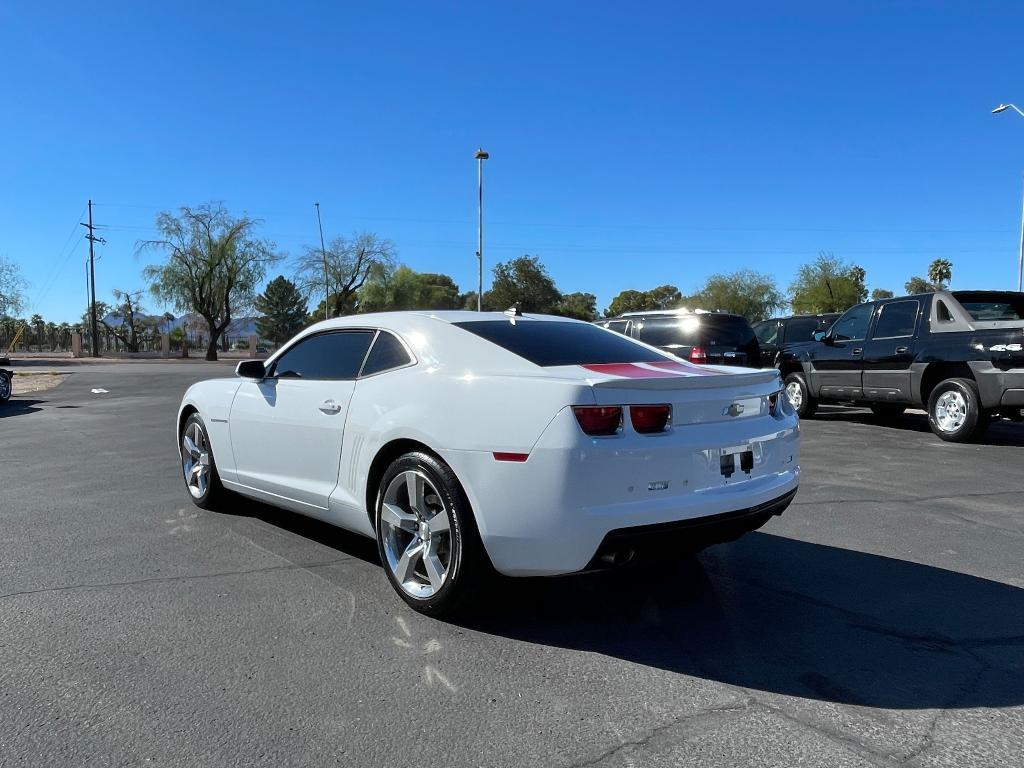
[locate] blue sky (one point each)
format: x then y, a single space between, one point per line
632 144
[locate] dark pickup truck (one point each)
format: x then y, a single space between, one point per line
957 354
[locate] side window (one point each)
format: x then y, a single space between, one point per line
853 326
896 319
943 313
801 329
767 332
619 326
386 353
334 355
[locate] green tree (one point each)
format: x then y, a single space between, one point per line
881 293
750 294
582 306
404 288
662 297
940 272
827 285
12 287
523 281
214 264
627 301
918 285
344 265
283 308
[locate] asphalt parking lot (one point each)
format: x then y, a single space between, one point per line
879 622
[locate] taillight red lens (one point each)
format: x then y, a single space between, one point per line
698 355
598 420
648 419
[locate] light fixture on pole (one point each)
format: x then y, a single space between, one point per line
1020 257
480 156
323 250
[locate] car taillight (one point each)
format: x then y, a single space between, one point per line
648 419
774 403
698 355
598 420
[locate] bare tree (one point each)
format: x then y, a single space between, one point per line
349 261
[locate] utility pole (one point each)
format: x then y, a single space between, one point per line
480 156
327 280
91 237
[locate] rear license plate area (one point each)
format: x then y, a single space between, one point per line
729 463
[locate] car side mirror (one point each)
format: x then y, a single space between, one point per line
251 369
820 335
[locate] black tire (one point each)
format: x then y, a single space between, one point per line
965 401
6 386
213 493
807 404
469 569
887 412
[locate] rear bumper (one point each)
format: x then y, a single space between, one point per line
686 535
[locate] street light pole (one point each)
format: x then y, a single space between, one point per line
323 251
480 156
1020 256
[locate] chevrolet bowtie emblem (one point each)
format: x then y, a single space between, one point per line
735 409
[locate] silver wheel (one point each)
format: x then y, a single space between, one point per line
195 459
950 411
416 534
5 386
795 394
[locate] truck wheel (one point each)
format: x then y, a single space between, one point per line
800 396
954 411
887 412
5 386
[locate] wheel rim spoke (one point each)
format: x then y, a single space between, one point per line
407 562
396 517
439 523
434 568
195 460
414 487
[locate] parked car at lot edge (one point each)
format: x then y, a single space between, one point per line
772 335
958 354
6 381
464 442
713 338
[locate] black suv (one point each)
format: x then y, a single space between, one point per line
957 354
774 334
714 338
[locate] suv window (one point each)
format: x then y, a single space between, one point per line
896 319
853 326
387 353
619 326
553 342
803 328
767 332
696 330
991 305
331 355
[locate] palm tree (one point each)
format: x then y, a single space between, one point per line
37 323
940 272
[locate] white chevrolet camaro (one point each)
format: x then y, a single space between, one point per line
470 442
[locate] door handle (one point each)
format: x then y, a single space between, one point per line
857 351
329 406
901 350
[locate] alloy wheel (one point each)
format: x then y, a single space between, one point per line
795 394
5 386
416 534
195 459
950 411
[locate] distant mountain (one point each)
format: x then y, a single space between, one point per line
242 326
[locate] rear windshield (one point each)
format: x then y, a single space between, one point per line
697 330
550 342
991 306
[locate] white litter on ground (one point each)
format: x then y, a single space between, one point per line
99 391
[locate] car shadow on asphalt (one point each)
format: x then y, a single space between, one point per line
1002 432
782 616
19 406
